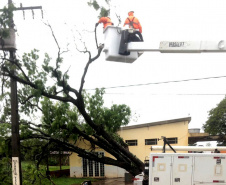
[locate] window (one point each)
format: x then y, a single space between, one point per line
151 141
172 140
96 169
84 161
102 173
90 164
131 142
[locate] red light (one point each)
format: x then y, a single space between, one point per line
217 181
183 157
154 157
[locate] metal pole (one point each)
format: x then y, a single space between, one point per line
189 148
164 146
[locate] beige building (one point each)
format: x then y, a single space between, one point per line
139 138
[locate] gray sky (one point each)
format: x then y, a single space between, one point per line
162 20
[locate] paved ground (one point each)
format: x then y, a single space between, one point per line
115 181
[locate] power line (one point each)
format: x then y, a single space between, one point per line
171 94
157 83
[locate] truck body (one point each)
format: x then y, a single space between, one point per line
187 169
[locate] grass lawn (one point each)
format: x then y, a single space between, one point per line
51 168
60 180
54 168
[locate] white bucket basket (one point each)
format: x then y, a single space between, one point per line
112 37
9 42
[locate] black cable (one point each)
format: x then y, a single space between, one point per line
96 36
171 94
156 83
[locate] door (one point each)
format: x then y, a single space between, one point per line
210 168
182 170
160 170
93 168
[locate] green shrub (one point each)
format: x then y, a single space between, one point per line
53 162
33 176
5 171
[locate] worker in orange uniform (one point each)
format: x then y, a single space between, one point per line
106 21
133 22
127 37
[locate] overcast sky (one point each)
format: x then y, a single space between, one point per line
162 20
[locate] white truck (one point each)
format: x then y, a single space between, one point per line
187 169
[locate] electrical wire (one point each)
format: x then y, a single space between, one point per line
171 94
157 83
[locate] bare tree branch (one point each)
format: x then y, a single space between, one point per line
87 66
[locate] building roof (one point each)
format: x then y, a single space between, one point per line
157 123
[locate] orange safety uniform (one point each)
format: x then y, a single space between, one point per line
133 22
106 21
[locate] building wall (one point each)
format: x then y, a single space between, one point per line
170 129
76 164
76 169
114 171
142 151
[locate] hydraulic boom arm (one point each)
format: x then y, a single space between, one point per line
180 46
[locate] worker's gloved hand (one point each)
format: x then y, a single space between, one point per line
97 24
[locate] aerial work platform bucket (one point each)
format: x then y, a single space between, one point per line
112 37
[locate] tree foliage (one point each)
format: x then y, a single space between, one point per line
6 21
216 123
112 118
103 11
5 165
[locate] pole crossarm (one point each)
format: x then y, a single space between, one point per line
29 8
26 8
180 46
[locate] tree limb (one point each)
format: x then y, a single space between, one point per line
22 81
87 66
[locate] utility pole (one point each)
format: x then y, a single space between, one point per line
16 160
